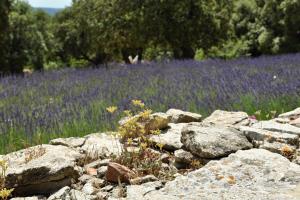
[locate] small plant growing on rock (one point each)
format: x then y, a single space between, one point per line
133 132
288 152
4 192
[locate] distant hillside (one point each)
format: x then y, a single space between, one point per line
51 11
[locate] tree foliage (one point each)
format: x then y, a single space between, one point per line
100 31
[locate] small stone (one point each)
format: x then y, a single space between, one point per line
182 156
169 138
91 171
102 171
97 163
101 145
102 195
116 172
107 188
165 158
89 189
76 195
118 192
61 194
179 116
138 192
84 178
97 183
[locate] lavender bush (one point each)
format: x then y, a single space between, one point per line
72 102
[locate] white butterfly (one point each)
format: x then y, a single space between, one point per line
133 61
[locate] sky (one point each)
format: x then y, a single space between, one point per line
50 3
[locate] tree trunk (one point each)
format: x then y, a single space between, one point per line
184 53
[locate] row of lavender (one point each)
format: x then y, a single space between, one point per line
72 102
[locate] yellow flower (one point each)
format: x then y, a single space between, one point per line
112 109
160 145
5 193
155 132
138 103
128 113
129 140
144 145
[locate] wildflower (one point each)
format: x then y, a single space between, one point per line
258 113
145 114
128 113
112 109
129 141
5 193
155 132
143 145
138 103
160 146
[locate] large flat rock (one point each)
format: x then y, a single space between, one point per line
277 127
213 142
257 135
220 117
41 169
292 114
251 174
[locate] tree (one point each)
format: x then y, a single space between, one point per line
185 26
263 27
28 42
4 12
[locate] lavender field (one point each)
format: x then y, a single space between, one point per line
72 102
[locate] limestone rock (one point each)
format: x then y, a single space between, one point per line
220 117
277 147
295 122
101 145
179 116
41 169
116 172
182 156
142 180
63 193
97 163
255 135
277 127
76 195
138 192
170 138
89 189
156 121
247 175
102 171
69 142
294 114
213 142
